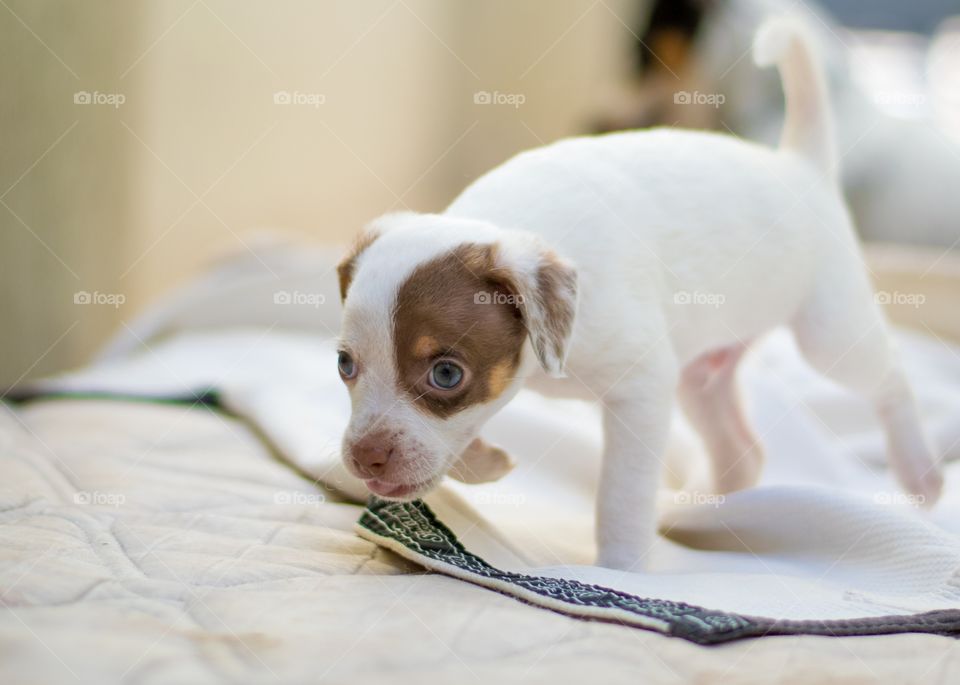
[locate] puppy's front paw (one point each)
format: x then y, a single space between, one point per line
481 462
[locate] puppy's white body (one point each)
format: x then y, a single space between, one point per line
686 246
695 239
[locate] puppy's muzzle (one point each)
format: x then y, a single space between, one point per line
371 454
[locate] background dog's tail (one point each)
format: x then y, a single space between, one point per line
808 128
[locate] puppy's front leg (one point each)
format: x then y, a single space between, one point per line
636 423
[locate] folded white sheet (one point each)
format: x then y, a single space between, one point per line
827 534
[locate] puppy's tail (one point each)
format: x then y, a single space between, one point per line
808 129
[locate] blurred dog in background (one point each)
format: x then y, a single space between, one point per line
900 175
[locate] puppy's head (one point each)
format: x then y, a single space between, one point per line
440 315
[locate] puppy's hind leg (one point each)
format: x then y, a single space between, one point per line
636 424
710 399
843 334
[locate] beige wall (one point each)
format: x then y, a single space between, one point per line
66 180
133 200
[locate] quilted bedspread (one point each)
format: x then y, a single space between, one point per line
219 564
143 542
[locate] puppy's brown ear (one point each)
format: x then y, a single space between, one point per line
546 289
347 265
552 312
481 462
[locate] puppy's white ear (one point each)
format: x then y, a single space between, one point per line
546 289
481 462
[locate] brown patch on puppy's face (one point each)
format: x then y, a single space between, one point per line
426 347
453 309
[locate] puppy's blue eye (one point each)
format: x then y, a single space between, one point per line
346 366
445 375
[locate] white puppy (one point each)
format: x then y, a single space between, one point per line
622 267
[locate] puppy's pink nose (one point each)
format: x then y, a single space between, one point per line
370 455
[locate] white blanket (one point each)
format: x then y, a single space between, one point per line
826 535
